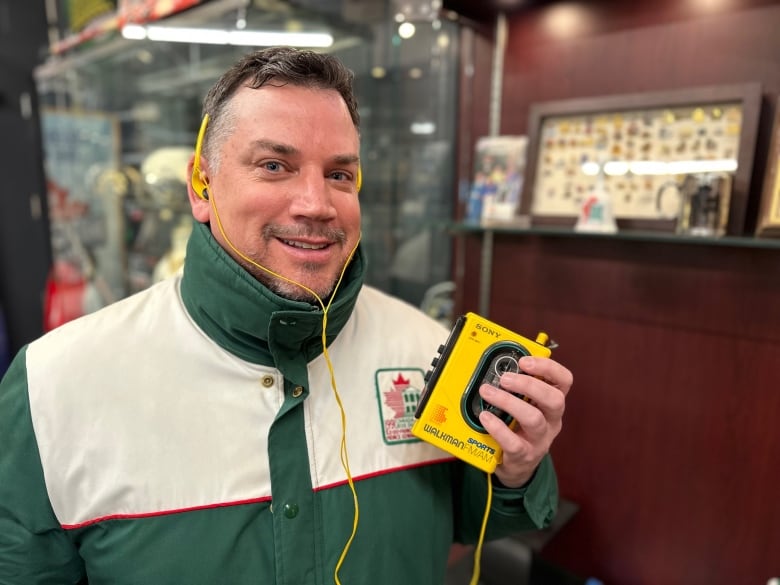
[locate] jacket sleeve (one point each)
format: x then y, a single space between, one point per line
34 549
531 507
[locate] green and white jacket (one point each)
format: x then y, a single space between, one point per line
189 435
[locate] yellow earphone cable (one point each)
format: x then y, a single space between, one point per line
343 447
199 185
482 530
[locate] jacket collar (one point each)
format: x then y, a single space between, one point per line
250 321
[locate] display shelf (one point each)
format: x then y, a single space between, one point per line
487 235
132 108
641 236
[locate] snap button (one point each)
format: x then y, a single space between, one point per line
291 510
268 381
297 391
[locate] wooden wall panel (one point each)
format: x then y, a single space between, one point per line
615 48
671 444
634 47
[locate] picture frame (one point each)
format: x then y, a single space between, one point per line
660 137
497 180
768 224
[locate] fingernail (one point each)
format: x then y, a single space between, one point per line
526 363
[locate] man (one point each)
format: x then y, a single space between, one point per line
193 433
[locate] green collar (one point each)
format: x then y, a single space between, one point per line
246 318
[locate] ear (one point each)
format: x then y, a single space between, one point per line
201 208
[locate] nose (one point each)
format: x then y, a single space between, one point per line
311 197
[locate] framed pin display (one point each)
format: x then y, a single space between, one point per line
769 215
667 161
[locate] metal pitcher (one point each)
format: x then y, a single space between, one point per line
703 203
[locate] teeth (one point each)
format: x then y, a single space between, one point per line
305 246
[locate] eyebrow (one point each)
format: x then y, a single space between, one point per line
346 159
276 147
289 150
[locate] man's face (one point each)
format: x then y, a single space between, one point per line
285 189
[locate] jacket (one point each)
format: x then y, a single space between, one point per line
190 434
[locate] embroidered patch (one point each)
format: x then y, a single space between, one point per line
398 391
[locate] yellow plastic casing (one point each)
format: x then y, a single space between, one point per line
445 414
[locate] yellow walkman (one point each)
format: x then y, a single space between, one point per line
476 352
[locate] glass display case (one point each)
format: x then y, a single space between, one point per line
119 119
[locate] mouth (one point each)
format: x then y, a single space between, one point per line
304 245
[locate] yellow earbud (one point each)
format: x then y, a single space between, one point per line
199 183
359 178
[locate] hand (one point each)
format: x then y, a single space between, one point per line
537 422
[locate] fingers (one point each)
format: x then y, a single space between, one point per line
537 417
540 398
531 418
512 444
548 369
521 454
540 412
497 429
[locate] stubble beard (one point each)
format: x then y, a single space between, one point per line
292 290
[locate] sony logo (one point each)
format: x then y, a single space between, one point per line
488 330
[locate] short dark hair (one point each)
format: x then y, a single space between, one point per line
277 65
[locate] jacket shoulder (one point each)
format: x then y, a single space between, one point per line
394 314
111 329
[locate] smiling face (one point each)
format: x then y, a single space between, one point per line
285 187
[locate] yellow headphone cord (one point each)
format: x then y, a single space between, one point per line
199 185
483 528
343 447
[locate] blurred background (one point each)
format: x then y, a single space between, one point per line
668 462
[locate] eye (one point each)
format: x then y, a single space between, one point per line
340 176
272 165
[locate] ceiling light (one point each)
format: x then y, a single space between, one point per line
616 168
135 32
406 30
591 168
212 36
656 167
422 128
